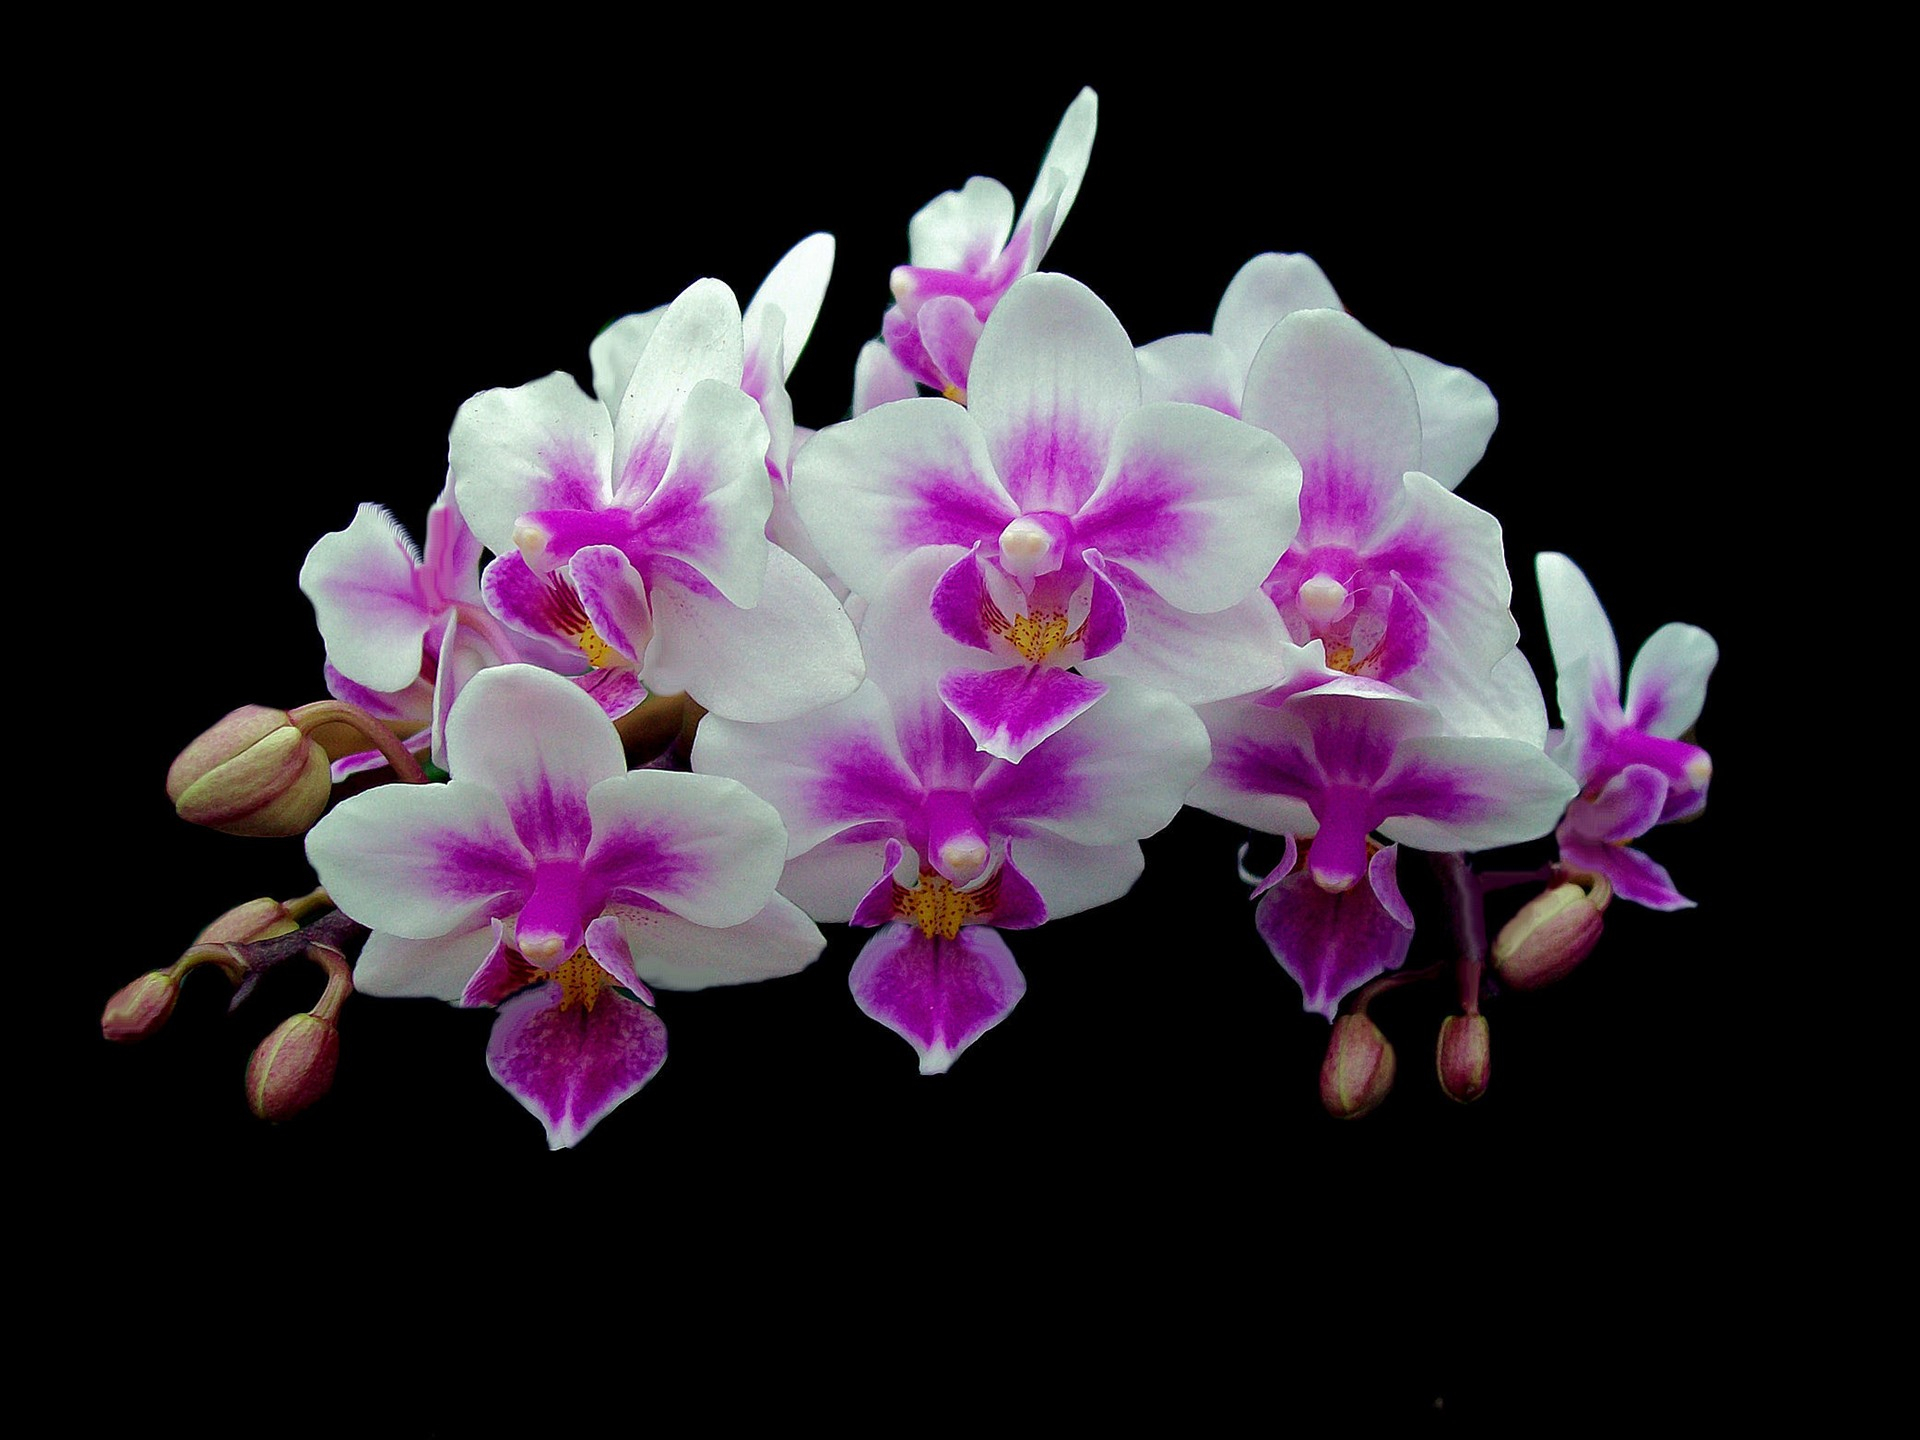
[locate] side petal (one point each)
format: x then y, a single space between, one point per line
423 861
571 1067
1267 289
543 446
710 506
540 744
361 583
1457 417
937 995
702 846
437 969
1192 369
698 338
676 954
797 284
1668 683
1633 875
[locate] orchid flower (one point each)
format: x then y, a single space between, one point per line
1097 534
1391 577
404 631
641 534
1338 764
888 783
965 252
1457 410
1634 768
547 879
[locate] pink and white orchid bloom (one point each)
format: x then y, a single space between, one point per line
404 631
894 815
965 251
545 863
654 520
1341 763
1634 768
1457 411
1391 577
1095 533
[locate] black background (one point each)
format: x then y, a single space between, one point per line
1126 1194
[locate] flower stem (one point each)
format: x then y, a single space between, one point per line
338 712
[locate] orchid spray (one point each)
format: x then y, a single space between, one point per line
677 678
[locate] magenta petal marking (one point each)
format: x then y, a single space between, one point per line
1106 623
950 331
876 906
960 599
938 995
1633 875
607 944
1627 806
1018 905
1288 859
1010 711
571 1066
614 599
502 974
614 691
1330 944
1383 875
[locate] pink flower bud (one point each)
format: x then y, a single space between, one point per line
140 1008
1465 1057
293 1067
1358 1071
1552 933
261 919
253 773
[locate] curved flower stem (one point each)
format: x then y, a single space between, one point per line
1492 880
1467 912
1375 988
332 933
338 712
339 980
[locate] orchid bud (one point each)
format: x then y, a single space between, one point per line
1358 1071
253 773
1464 1057
293 1067
1552 933
141 1007
261 919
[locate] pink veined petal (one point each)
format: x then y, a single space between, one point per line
607 944
698 338
614 691
1192 369
1457 417
1632 874
437 969
765 380
1010 710
1052 378
676 954
1070 877
797 285
542 446
464 653
879 379
1342 401
615 352
793 652
504 973
938 995
1667 685
1626 808
1577 627
1120 771
704 847
897 478
827 772
543 786
1061 170
361 581
451 567
570 1067
1330 944
1197 504
709 508
1267 289
422 861
1445 792
614 598
950 331
829 880
962 229
1200 658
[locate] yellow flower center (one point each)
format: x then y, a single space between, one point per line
939 909
581 980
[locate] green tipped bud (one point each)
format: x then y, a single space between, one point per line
1465 1058
262 919
254 773
1553 932
1358 1071
293 1067
140 1008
